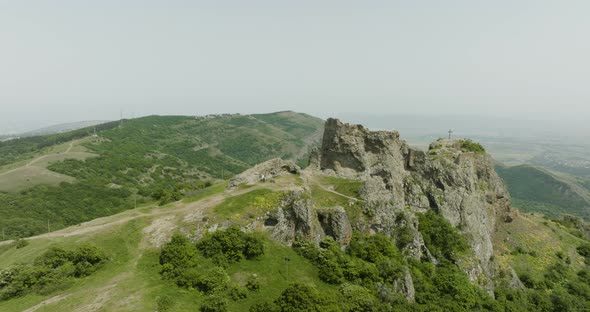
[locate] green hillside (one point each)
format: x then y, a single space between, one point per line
137 261
536 190
155 158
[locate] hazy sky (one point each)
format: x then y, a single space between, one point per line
81 60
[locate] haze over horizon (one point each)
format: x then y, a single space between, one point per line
82 60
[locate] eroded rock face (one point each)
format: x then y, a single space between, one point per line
460 185
335 223
296 219
397 183
267 170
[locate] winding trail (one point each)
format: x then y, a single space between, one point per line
33 161
339 194
46 302
113 220
312 180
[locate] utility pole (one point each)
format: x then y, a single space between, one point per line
450 133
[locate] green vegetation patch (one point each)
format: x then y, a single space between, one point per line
52 271
230 270
231 245
470 146
324 199
442 239
367 272
346 187
253 203
205 192
535 190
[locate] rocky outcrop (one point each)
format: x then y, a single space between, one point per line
296 219
335 223
267 170
459 184
405 286
455 179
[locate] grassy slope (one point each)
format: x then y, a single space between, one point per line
145 159
537 190
27 173
530 244
130 281
332 191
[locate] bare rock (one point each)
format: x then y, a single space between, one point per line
295 220
335 223
267 170
460 185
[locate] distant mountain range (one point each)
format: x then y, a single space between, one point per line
59 128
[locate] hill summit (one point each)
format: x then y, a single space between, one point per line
396 184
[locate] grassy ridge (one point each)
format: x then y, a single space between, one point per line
147 159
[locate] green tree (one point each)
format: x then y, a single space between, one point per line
299 297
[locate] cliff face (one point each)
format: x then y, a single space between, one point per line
455 178
459 184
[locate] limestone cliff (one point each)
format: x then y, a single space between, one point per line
455 178
449 178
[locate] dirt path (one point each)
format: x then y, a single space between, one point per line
339 194
45 156
46 302
70 147
309 180
110 221
12 170
30 163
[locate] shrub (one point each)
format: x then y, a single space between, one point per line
54 257
584 250
21 243
440 237
238 293
52 271
528 280
177 255
470 146
254 247
252 283
330 272
361 272
188 278
264 306
232 244
389 271
357 298
212 280
164 303
214 304
374 248
299 297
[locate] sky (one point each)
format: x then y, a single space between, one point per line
63 61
